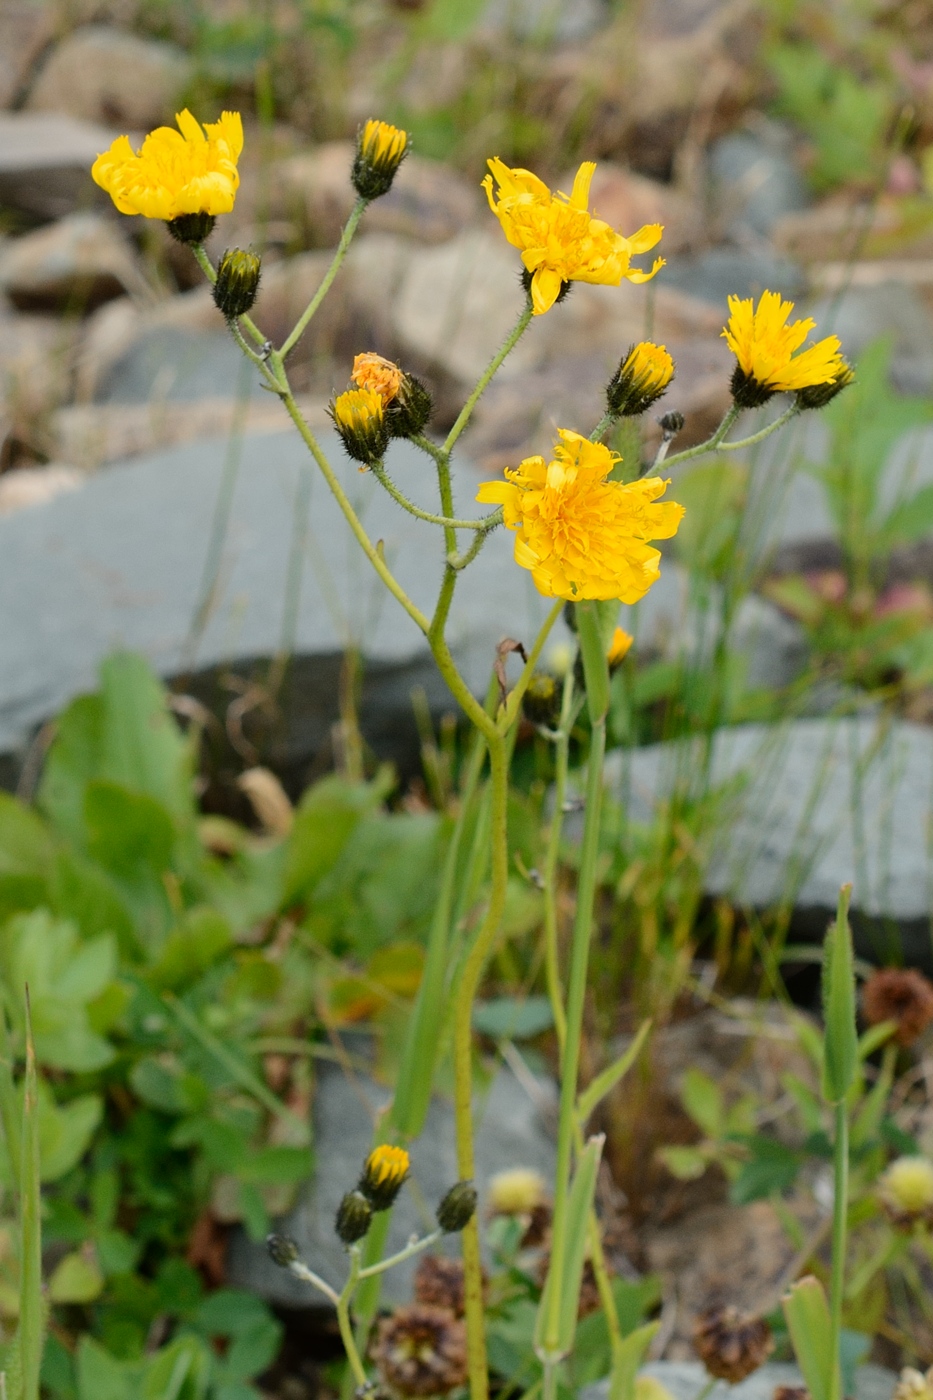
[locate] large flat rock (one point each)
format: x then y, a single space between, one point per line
509 1133
806 806
686 1379
119 563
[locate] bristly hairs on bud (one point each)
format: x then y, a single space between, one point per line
410 410
360 419
191 228
641 378
354 1217
671 424
237 282
819 395
380 150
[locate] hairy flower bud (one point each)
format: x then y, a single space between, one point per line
642 377
457 1208
359 417
191 228
282 1250
237 282
380 150
354 1217
819 395
731 1344
411 409
542 700
671 424
384 1173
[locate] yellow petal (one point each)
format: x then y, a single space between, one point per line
580 194
495 493
545 289
633 275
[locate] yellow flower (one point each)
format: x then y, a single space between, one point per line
559 240
764 346
641 378
380 150
906 1188
384 378
359 417
619 648
581 535
516 1191
384 1174
189 171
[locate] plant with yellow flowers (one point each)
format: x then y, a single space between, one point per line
586 537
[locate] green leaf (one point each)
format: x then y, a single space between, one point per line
773 1167
30 1335
86 895
448 20
142 747
73 759
513 1018
630 1354
841 1038
576 1221
202 937
162 1083
179 1371
702 1098
26 846
76 1279
100 1375
606 1081
324 822
686 1163
807 1314
65 1131
128 832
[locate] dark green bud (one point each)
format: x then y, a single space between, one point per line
671 424
237 283
819 395
746 391
354 1217
457 1208
411 408
191 228
282 1250
542 700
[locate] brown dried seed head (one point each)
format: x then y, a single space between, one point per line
791 1392
900 994
439 1283
421 1350
731 1344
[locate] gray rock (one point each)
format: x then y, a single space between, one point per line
102 74
170 363
509 1133
119 563
723 272
25 28
807 806
45 162
686 1379
74 264
754 181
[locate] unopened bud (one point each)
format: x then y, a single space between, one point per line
354 1217
411 408
384 1174
819 395
642 377
237 283
282 1250
359 417
191 228
671 424
457 1208
542 700
380 150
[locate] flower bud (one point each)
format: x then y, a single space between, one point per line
380 150
384 1173
618 648
914 1385
354 1217
237 282
359 417
191 228
411 409
642 377
542 700
671 424
282 1250
731 1344
819 395
906 1190
457 1208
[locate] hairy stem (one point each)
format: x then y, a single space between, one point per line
346 238
507 346
840 1212
382 476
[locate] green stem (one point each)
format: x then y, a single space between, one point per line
463 1059
460 561
603 426
412 1248
517 693
716 443
382 476
710 444
705 1389
551 950
345 240
343 1319
369 549
840 1214
576 998
760 436
508 345
31 1329
301 1271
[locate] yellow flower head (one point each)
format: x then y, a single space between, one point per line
619 648
371 371
642 377
384 1174
764 346
359 417
559 240
189 171
380 150
906 1188
581 535
516 1191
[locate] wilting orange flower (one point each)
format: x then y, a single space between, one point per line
581 535
559 239
189 171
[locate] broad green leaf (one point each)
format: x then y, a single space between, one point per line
840 1037
179 1371
606 1081
772 1168
513 1018
76 1279
142 747
630 1354
26 845
326 818
85 894
162 1083
807 1314
702 1098
101 1376
72 761
128 832
686 1163
65 1131
201 938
